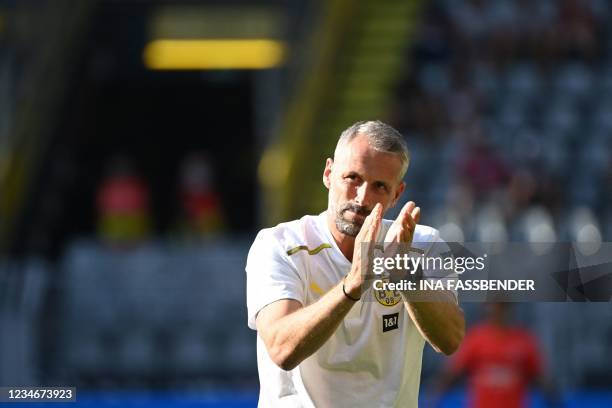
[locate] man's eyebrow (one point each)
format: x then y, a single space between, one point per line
379 182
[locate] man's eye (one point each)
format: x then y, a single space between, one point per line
381 186
351 177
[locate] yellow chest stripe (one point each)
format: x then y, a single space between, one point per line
310 251
317 289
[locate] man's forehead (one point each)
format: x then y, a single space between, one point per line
358 144
358 155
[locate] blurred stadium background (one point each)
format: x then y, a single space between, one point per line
144 143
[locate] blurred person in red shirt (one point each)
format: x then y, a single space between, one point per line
201 211
123 205
500 361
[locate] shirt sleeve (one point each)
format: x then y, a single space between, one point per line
271 276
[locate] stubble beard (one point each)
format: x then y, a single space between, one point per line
347 227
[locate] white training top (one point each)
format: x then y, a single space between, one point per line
374 357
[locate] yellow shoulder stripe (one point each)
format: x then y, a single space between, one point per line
310 251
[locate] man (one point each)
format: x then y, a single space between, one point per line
323 339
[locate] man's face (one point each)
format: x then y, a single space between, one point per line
357 179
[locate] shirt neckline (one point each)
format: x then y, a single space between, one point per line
322 219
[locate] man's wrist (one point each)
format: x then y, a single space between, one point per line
350 289
351 297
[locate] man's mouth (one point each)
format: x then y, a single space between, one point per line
356 215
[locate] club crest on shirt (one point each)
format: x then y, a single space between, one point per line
387 297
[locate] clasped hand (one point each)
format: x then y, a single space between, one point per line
398 238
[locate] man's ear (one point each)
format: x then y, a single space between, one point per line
398 193
327 172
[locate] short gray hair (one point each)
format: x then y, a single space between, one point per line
381 137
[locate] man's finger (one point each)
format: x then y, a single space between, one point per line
406 209
371 218
404 216
372 231
409 224
376 215
365 227
412 218
416 215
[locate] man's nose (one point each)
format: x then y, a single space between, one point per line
363 195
